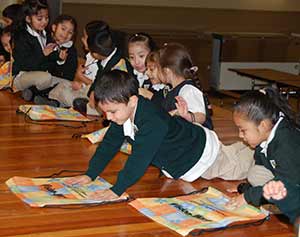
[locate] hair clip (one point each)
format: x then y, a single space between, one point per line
194 69
263 91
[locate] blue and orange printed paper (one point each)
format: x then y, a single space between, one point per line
41 192
5 75
207 210
98 135
46 112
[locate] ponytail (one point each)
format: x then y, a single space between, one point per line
193 74
265 104
177 58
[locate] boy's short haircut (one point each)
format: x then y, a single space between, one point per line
115 86
100 38
95 26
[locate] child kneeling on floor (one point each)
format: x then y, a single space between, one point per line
267 123
180 149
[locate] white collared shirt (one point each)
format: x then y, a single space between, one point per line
41 37
158 87
91 67
141 77
208 157
194 98
129 129
106 60
264 145
67 45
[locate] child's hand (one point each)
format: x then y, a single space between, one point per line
80 179
103 195
80 71
145 93
173 112
275 190
49 49
63 54
76 85
236 202
182 108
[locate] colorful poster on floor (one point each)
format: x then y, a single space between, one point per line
46 112
41 192
207 210
5 75
97 136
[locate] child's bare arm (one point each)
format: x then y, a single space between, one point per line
182 110
80 76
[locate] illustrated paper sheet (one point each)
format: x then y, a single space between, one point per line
46 112
40 192
197 211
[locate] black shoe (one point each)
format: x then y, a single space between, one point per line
27 94
79 104
40 100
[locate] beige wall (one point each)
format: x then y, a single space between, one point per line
5 3
273 5
192 27
173 20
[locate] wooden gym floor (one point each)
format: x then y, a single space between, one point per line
40 150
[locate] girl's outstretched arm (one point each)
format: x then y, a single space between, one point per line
182 110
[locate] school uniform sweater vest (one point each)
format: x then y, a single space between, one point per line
169 143
283 159
169 102
159 96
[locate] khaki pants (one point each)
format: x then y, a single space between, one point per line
64 93
258 175
233 163
42 80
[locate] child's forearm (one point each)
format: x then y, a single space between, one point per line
199 117
85 80
195 117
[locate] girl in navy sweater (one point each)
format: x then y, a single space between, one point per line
37 54
267 124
